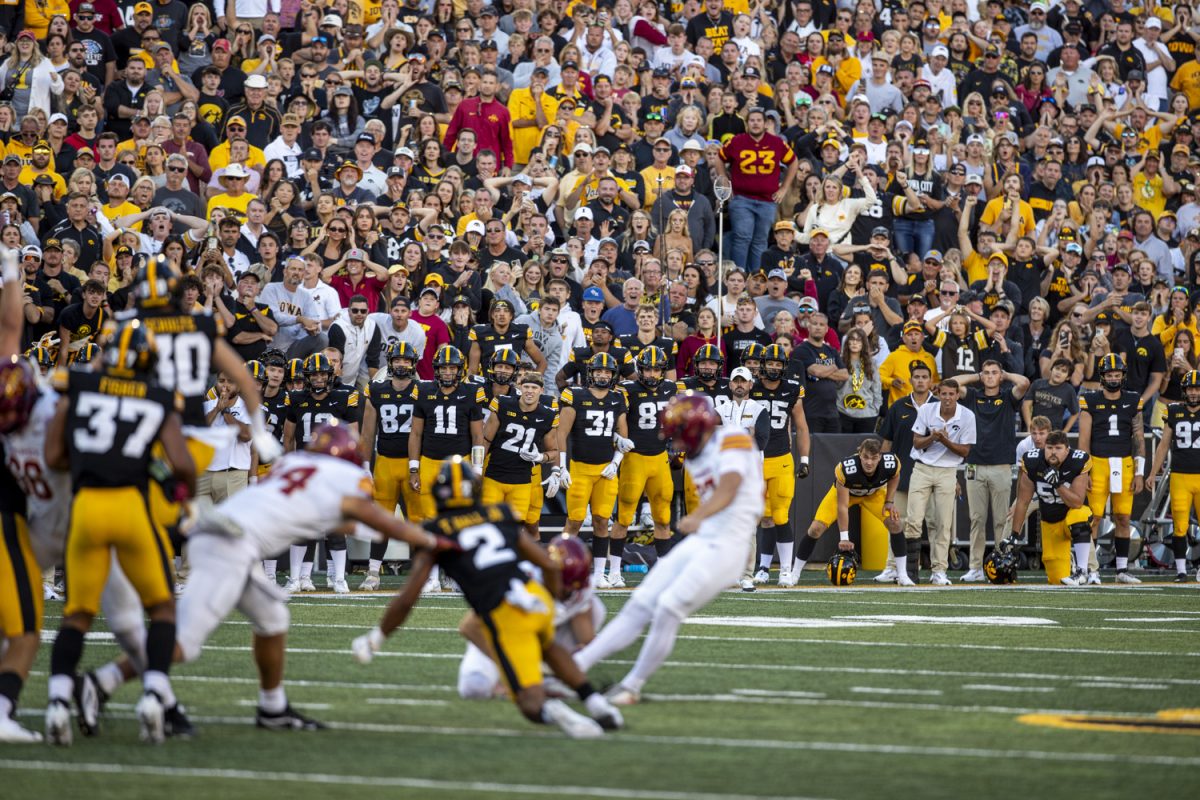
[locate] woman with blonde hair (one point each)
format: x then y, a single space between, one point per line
28 75
860 397
675 236
835 213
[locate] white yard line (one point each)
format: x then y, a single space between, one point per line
995 687
892 691
737 697
1140 687
403 701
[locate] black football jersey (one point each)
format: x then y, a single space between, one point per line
490 393
490 340
447 418
1112 422
308 413
644 405
394 415
12 499
719 392
519 429
487 564
112 425
1184 426
575 370
1051 505
858 483
779 402
185 345
591 437
633 344
275 413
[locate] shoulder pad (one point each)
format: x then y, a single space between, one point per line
352 399
481 396
566 397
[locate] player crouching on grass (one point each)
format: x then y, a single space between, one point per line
513 619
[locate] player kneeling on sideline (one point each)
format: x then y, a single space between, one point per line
578 614
514 616
307 494
1181 424
728 473
1059 477
868 479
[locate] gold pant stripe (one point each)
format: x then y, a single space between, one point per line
18 601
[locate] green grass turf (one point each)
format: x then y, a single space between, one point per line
839 711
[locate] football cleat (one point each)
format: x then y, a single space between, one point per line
604 712
306 585
887 576
974 576
788 579
620 695
177 724
940 579
89 701
180 585
1077 578
602 581
50 592
762 576
616 581
902 579
287 720
292 586
58 723
1125 577
370 583
1093 579
12 733
1182 577
573 724
151 718
340 587
432 586
747 585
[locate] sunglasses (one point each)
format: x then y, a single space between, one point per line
358 311
85 16
339 230
176 169
950 292
705 263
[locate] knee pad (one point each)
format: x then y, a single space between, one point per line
335 541
1080 532
475 686
672 606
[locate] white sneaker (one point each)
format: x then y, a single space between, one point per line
601 581
151 718
887 576
747 584
620 695
762 576
573 724
306 585
974 576
788 579
340 587
292 586
902 579
646 518
600 709
1125 577
432 586
49 592
1093 579
58 723
616 581
12 733
448 584
940 579
370 583
1077 578
329 580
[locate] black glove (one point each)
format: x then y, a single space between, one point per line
1052 477
802 470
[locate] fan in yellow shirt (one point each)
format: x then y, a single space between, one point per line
235 197
235 129
41 163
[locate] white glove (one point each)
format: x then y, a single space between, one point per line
366 646
553 483
8 267
268 448
530 454
610 471
623 445
564 478
520 597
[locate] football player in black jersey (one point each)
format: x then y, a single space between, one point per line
593 431
1058 477
275 408
1110 431
502 333
648 335
784 460
527 432
645 470
868 479
706 379
321 401
503 365
1183 428
752 358
103 431
512 616
447 421
581 357
387 421
293 376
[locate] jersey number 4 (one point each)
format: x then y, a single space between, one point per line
489 546
102 412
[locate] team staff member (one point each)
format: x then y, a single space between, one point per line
1110 431
104 431
593 423
1183 427
645 470
868 479
387 423
989 464
447 422
784 460
943 434
527 433
1058 477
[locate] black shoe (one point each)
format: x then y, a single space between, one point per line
89 700
176 723
1182 577
287 720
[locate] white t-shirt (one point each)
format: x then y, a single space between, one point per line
234 454
960 429
326 300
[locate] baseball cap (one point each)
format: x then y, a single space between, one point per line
219 44
143 8
593 294
1153 22
312 154
777 273
785 225
365 137
912 325
31 250
583 212
741 372
476 226
332 20
881 230
939 50
933 255
808 302
641 245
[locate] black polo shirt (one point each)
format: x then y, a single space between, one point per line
995 426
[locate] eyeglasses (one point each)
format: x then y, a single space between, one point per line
945 291
662 149
176 169
705 263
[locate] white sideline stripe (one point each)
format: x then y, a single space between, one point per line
841 601
293 683
403 701
898 705
362 780
995 687
892 691
780 693
1152 620
1145 687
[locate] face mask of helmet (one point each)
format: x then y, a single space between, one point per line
773 370
601 378
708 370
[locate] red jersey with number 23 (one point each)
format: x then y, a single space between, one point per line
755 167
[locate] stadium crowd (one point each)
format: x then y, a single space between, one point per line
908 197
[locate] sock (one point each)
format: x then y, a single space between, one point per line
599 555
804 552
6 708
109 677
901 564
64 659
1080 550
1179 548
272 701
662 547
374 565
1122 549
61 687
585 690
784 543
160 684
615 636
306 568
160 646
295 561
660 640
10 690
616 550
339 565
329 567
898 548
269 566
766 547
435 573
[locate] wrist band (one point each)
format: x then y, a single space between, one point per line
803 459
1140 464
414 464
844 536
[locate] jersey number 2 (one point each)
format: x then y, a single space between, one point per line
489 545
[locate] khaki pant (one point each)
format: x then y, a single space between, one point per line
936 484
220 485
931 517
990 488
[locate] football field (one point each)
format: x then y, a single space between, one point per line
971 692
